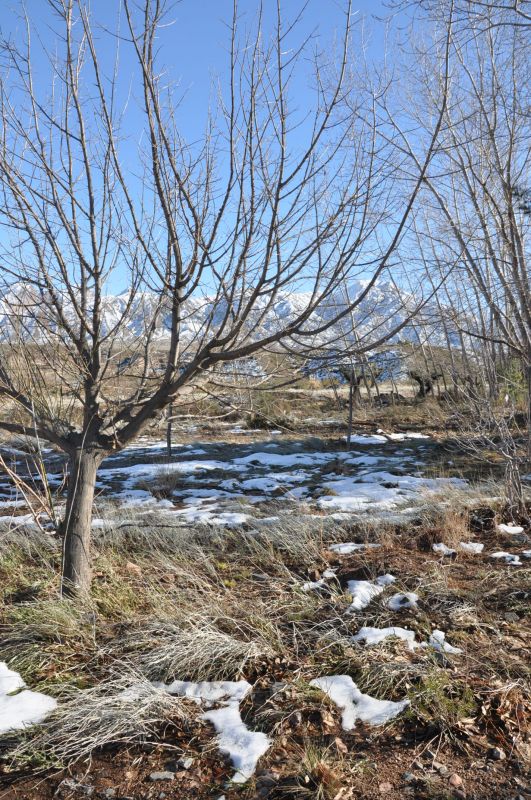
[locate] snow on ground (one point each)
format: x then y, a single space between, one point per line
509 558
402 600
364 591
379 490
243 746
345 548
438 641
472 547
376 635
510 528
23 709
209 691
241 477
443 550
354 705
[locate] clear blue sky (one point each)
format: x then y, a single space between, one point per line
194 47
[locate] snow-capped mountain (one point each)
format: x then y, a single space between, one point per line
25 313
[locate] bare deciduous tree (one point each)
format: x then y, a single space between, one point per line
481 14
208 235
475 215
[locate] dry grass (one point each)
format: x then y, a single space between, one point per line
200 603
124 710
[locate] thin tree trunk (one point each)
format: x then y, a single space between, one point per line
350 408
527 369
76 525
169 431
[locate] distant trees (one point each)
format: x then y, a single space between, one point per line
270 200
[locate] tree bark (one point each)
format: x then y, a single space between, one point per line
76 525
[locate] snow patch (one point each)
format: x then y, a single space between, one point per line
364 591
402 600
376 635
509 558
441 548
510 528
345 548
244 747
438 641
472 547
354 705
18 711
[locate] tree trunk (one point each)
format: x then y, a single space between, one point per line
76 525
169 431
350 408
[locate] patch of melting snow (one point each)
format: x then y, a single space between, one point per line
376 635
438 641
510 528
400 437
288 459
472 547
364 591
266 485
314 586
101 523
354 705
363 438
345 548
208 691
402 600
18 521
210 515
243 746
331 573
134 472
18 711
381 490
510 558
441 548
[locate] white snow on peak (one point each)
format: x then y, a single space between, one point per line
354 705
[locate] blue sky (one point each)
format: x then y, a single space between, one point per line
194 50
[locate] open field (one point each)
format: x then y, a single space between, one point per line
223 563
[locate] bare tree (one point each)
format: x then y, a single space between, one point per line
480 14
208 235
475 214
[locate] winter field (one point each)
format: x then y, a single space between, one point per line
273 615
